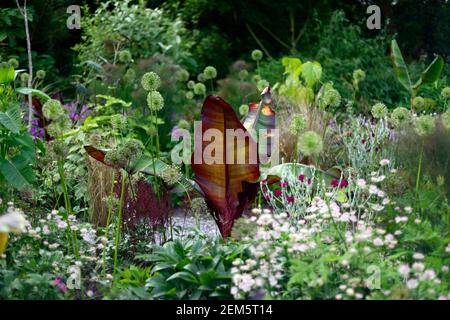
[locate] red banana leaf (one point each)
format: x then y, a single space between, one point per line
228 188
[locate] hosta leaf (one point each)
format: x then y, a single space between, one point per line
400 68
11 119
228 188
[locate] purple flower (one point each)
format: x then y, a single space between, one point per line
77 111
36 131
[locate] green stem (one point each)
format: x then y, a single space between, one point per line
119 222
68 207
419 170
108 218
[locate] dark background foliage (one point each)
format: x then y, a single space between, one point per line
221 28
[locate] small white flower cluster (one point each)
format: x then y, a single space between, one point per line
273 239
417 276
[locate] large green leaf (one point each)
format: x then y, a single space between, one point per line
431 73
11 119
275 173
6 75
34 92
311 72
17 172
400 68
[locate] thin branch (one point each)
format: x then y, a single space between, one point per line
24 13
257 40
274 36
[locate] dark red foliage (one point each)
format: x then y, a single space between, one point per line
142 204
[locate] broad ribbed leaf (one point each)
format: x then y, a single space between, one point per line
34 92
6 75
228 188
431 73
400 68
16 172
276 173
11 119
311 72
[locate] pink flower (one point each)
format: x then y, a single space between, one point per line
277 192
335 183
290 199
301 178
58 282
284 184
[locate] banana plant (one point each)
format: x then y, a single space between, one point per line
17 149
228 188
429 75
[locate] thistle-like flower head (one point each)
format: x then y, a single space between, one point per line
310 143
155 101
257 55
400 116
379 110
52 109
210 72
424 125
151 81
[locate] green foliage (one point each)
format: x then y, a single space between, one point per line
111 29
193 269
431 74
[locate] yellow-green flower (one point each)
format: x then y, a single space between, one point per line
243 109
52 109
257 55
445 93
424 125
151 81
400 116
199 89
243 74
13 63
298 124
40 74
183 124
24 77
125 56
332 98
182 75
379 110
310 143
359 75
210 72
445 117
155 100
262 84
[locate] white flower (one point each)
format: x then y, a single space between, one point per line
13 221
384 162
428 274
377 207
361 183
418 256
404 270
418 266
401 219
350 292
412 284
378 242
408 209
373 189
